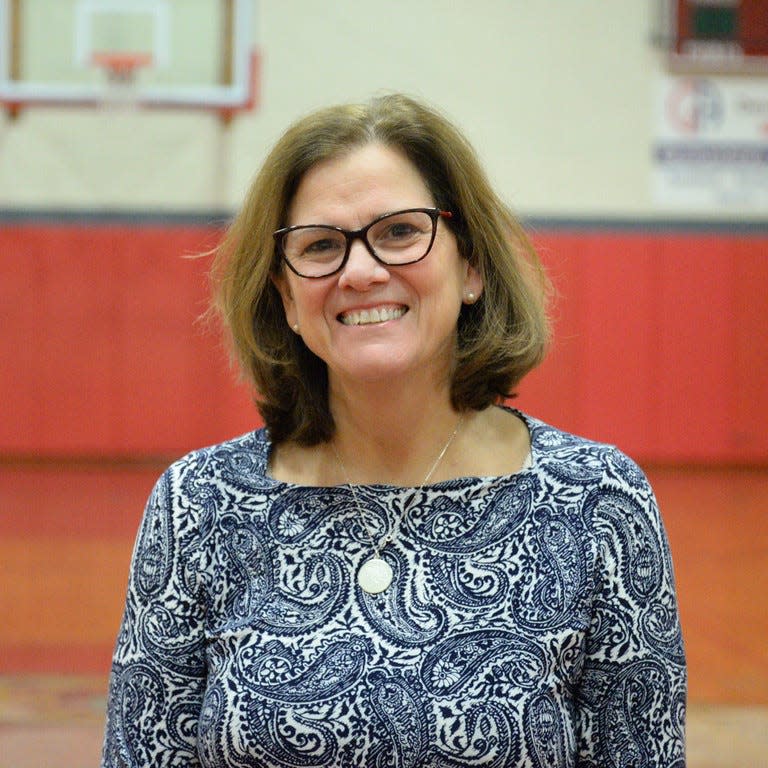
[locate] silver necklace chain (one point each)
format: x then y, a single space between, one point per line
389 536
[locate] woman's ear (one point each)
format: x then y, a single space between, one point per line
280 282
473 285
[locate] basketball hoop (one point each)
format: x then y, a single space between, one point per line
120 67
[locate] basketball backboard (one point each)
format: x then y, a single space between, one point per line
171 53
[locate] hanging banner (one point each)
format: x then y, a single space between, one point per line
710 150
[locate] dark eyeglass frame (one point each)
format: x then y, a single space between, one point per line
360 234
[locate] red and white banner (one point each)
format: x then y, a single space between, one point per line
710 150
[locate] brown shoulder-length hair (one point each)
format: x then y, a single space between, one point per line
499 338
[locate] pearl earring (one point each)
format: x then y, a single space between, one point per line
295 327
471 298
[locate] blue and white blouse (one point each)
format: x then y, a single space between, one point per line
532 620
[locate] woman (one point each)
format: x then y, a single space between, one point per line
397 570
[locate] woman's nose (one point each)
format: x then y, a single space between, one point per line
362 269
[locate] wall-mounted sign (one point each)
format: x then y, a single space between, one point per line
710 150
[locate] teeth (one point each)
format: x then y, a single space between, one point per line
368 316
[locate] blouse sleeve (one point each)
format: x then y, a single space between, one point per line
158 671
631 702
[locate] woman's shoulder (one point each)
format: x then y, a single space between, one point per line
245 456
574 458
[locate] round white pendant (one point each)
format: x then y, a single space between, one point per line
375 575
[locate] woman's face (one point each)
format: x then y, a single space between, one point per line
414 329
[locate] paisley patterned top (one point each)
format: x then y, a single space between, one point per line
532 620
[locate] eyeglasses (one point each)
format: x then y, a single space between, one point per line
395 239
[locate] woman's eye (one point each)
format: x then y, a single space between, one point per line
321 246
401 230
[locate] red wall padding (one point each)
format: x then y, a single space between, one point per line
102 351
661 343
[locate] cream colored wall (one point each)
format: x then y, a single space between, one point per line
556 97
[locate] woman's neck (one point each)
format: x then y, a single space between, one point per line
397 445
390 434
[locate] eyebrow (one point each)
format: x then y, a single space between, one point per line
368 221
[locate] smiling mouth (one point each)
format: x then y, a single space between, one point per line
371 316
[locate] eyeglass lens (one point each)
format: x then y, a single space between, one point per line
399 238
